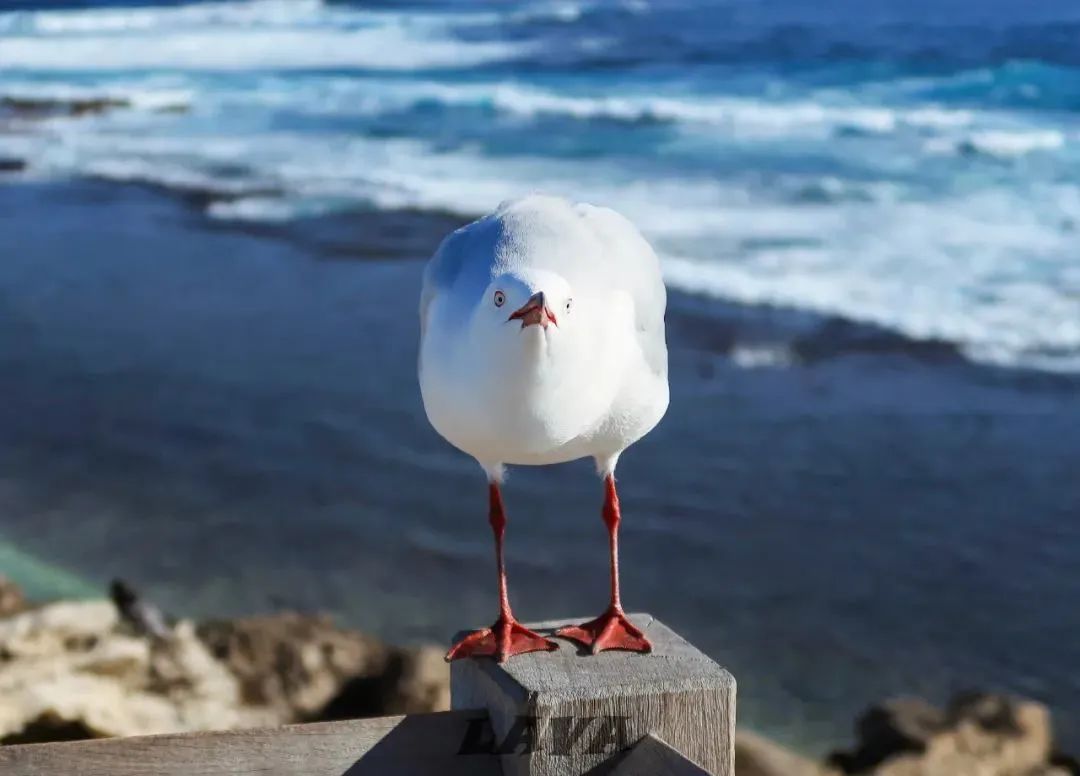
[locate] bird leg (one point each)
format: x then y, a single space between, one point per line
506 637
612 629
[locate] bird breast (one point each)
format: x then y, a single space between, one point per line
531 397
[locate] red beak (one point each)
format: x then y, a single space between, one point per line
534 311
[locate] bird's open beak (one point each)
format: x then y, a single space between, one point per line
534 311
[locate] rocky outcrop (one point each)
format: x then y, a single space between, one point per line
11 597
306 667
46 107
33 108
975 735
758 756
69 670
87 669
79 670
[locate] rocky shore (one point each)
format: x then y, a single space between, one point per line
86 669
977 734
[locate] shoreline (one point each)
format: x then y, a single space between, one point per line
774 336
159 674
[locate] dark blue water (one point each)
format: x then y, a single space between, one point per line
867 213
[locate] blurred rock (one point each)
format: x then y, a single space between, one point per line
68 671
86 669
758 756
79 670
44 107
142 616
978 734
305 668
11 597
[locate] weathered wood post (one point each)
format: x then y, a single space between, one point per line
567 712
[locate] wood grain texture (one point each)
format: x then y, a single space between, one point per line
653 757
415 745
579 709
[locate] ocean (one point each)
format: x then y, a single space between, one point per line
868 216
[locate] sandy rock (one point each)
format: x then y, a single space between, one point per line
305 667
977 735
423 685
758 756
81 669
11 595
68 670
56 628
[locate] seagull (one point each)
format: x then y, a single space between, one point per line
542 341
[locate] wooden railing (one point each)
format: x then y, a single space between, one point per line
544 714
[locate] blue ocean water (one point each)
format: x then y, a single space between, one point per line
907 164
196 397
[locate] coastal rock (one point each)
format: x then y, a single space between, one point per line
976 735
44 107
758 756
68 670
305 667
74 670
11 597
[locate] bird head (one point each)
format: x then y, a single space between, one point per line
535 301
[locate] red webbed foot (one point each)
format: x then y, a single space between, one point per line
611 630
506 638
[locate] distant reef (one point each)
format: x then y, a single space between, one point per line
119 666
35 108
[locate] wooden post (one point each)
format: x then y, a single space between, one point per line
568 712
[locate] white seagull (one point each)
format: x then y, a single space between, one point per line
542 341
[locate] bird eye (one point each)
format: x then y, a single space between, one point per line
569 302
500 298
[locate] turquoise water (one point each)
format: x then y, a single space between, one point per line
43 581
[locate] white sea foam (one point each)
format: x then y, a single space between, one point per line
565 12
375 49
982 260
140 96
266 34
737 114
1010 144
762 356
257 209
743 118
950 269
172 176
137 19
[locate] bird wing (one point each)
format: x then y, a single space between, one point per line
458 257
632 264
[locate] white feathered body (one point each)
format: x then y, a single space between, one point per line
589 386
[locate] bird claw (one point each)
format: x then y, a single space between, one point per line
611 630
506 638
